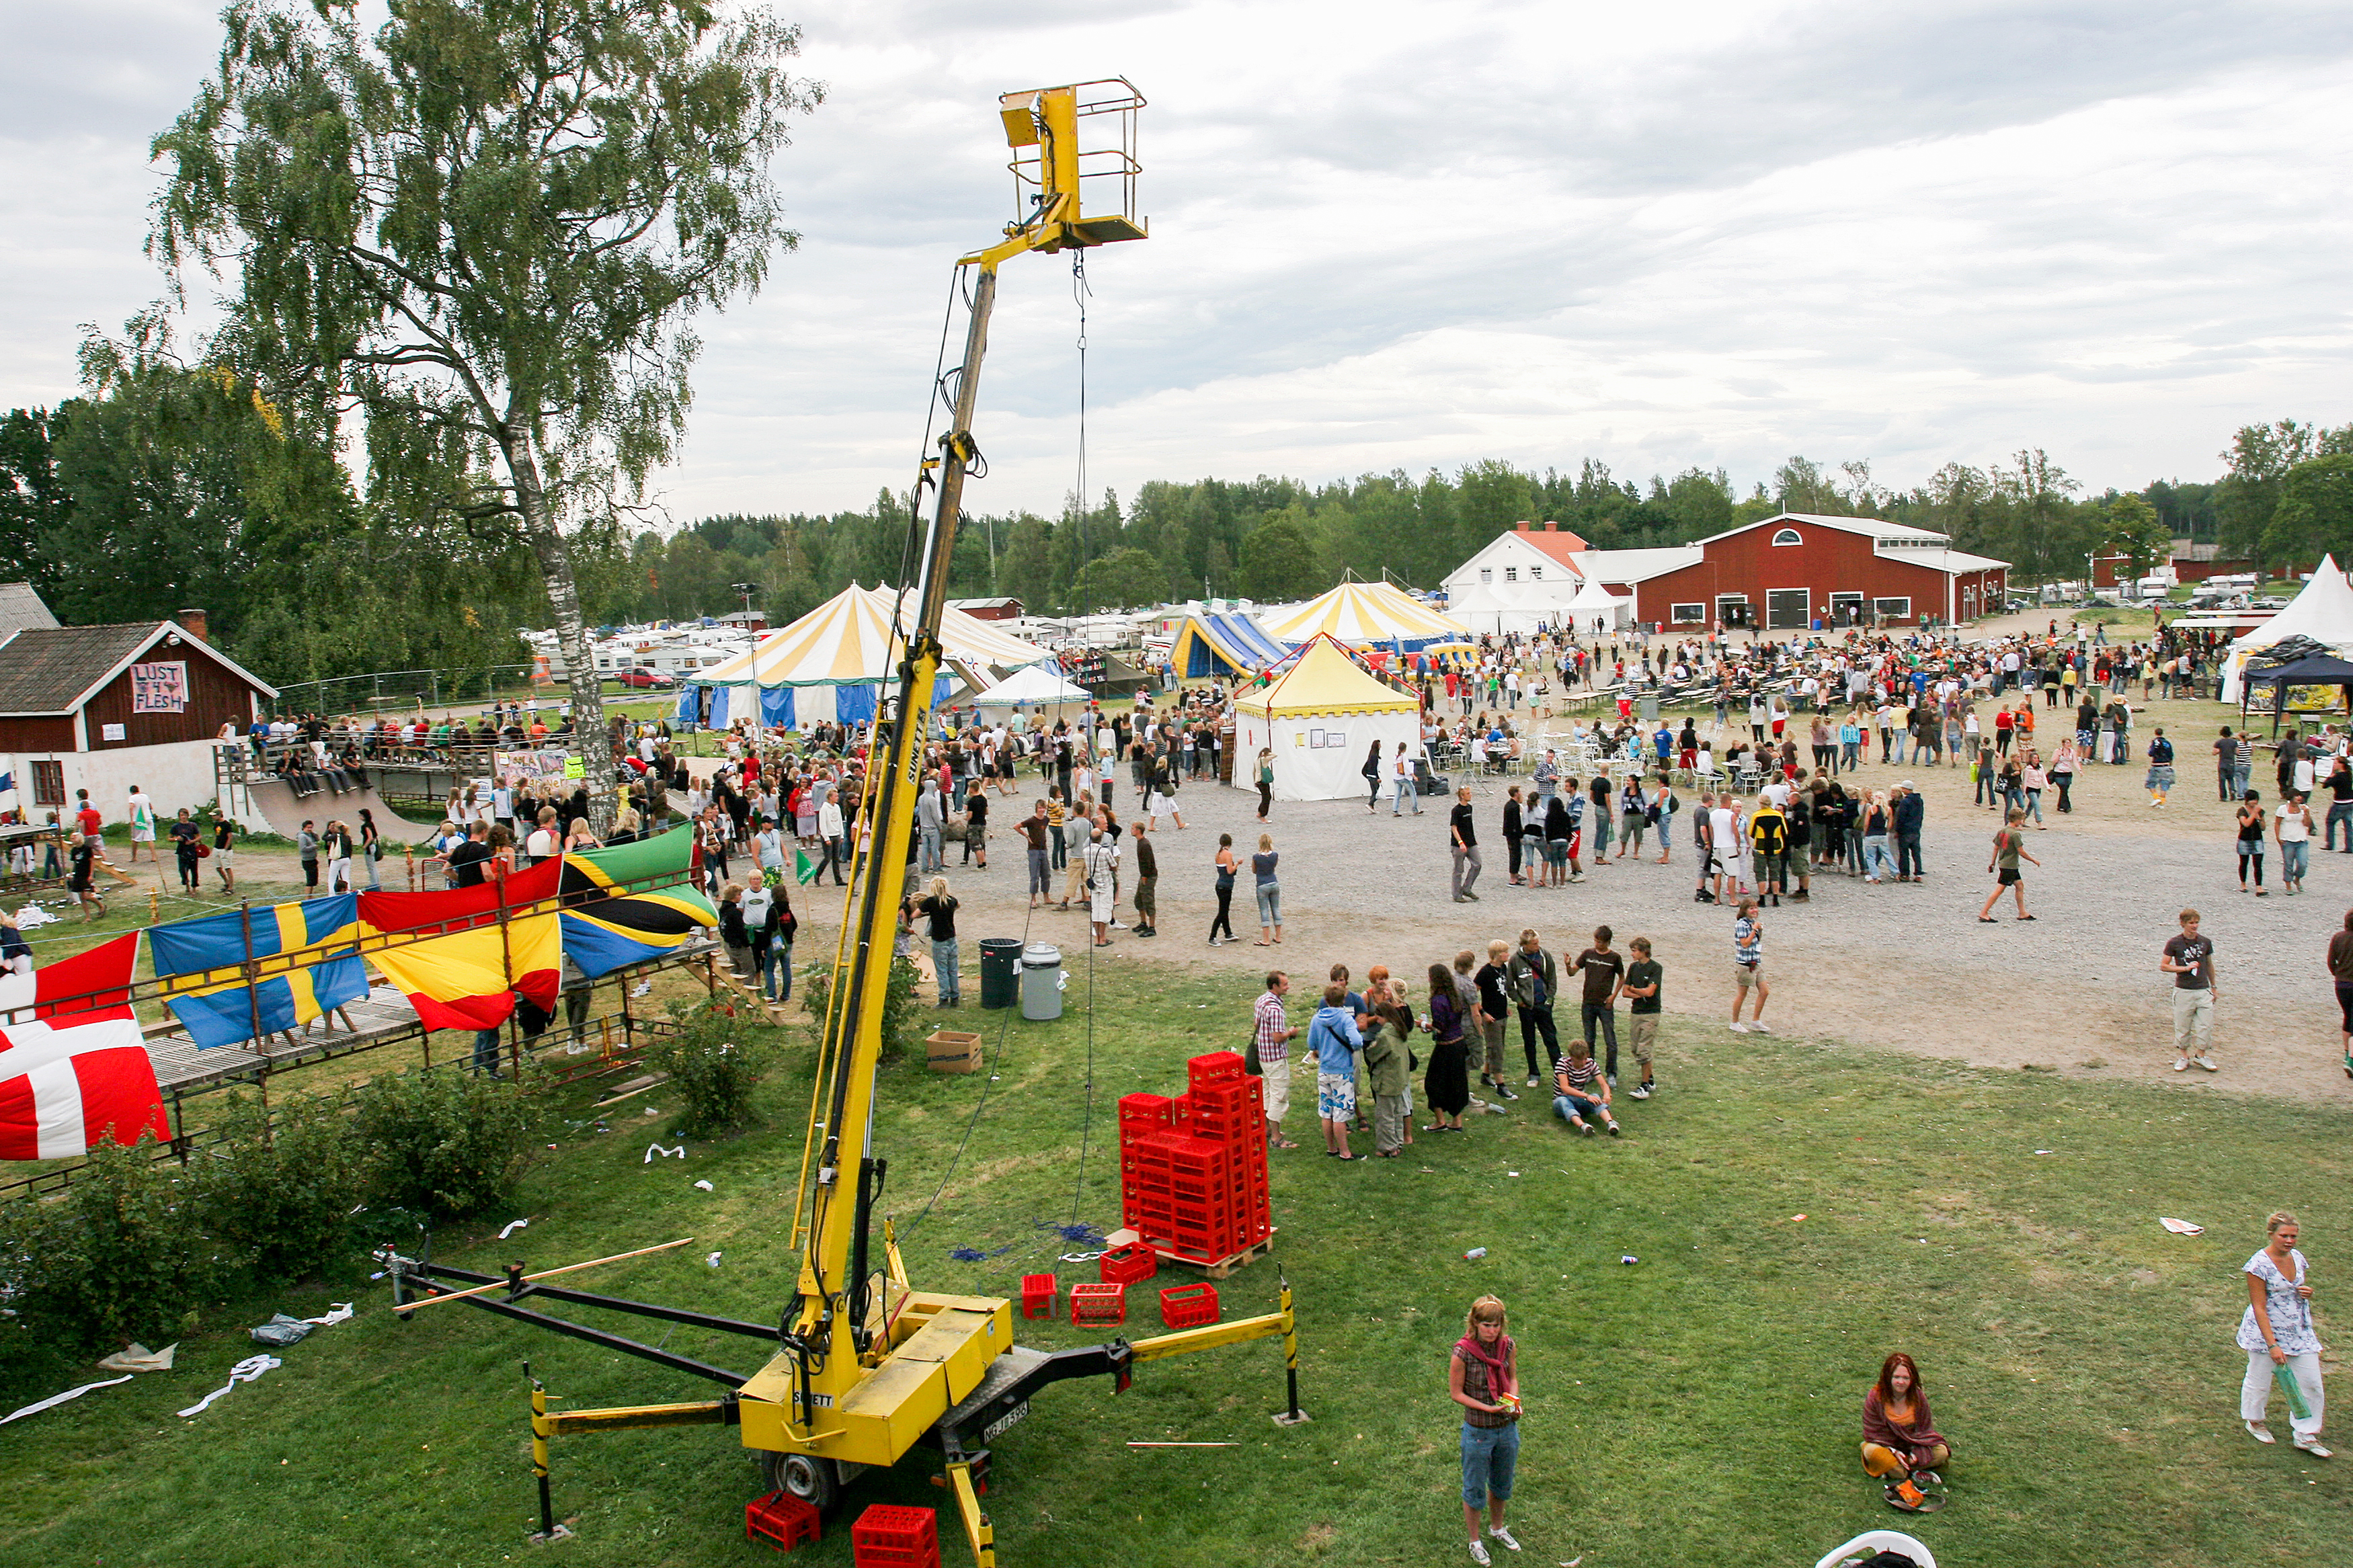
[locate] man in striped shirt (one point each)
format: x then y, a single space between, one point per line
1581 1091
1273 1036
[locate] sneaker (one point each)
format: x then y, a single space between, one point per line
1501 1092
1499 1532
1612 1078
2182 1064
1461 898
2259 1434
1118 925
1738 1027
1587 1130
1641 1092
1614 1130
1472 897
1756 1026
2315 1449
2206 1062
1479 1553
1532 1081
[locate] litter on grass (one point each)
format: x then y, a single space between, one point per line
975 1255
654 1149
139 1358
512 1228
712 1260
706 1187
245 1370
2181 1226
54 1400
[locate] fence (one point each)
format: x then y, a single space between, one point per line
403 690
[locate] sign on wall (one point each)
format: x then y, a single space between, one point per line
159 687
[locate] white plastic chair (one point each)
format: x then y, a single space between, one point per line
1872 1540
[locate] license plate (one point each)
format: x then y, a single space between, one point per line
989 1433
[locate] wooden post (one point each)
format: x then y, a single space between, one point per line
408 854
253 1011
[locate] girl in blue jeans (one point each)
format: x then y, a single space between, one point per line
1484 1377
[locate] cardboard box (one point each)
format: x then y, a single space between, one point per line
954 1050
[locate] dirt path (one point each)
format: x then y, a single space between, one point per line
1903 967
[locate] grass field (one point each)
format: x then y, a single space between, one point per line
1700 1406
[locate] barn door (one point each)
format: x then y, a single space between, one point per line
1786 609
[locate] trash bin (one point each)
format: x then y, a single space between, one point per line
1000 966
1042 981
1650 709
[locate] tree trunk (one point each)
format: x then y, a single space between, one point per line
592 737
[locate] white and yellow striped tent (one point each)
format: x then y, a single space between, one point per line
1368 615
833 662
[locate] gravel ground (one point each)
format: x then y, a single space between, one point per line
1903 967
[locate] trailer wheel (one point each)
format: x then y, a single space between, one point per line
813 1481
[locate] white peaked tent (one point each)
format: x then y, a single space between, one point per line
1040 685
2323 611
1320 716
836 661
1368 615
1597 609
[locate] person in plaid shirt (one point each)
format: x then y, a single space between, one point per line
1273 1036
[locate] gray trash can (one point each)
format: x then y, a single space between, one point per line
1650 709
1042 981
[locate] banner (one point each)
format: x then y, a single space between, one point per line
468 978
603 932
74 1069
221 1008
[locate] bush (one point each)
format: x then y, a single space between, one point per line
716 1060
444 1143
901 1023
123 1256
281 1189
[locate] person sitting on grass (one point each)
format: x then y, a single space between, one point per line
1901 1447
1582 1090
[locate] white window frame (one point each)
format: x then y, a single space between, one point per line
1860 601
1880 607
1535 574
1789 536
1510 574
1747 610
1687 614
1486 575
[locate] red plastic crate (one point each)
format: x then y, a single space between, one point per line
1131 1264
1096 1304
1037 1295
890 1537
783 1519
1190 1306
1213 1066
1146 1112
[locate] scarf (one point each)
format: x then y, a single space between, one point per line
1468 1347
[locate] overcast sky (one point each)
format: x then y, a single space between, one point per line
1392 235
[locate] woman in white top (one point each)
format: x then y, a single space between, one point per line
2276 1332
2292 826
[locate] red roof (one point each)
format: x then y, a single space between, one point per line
1554 540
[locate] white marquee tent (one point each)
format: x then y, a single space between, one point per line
1319 717
2323 611
1039 687
1596 609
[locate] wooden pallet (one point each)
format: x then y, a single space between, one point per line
1217 1270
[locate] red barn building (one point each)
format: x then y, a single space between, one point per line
1789 572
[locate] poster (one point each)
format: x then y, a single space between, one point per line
159 687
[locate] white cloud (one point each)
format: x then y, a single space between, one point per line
1393 236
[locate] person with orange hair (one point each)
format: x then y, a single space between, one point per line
1901 1446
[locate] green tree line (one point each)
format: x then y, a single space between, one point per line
168 485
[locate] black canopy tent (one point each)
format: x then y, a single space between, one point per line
2312 669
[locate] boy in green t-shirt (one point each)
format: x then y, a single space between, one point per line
1645 980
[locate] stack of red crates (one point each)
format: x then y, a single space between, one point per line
1193 1169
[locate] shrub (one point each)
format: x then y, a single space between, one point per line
280 1189
901 1015
122 1257
444 1143
717 1057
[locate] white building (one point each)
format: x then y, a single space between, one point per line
1523 580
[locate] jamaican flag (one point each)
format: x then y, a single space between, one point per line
604 930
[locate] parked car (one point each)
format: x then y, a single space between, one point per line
640 676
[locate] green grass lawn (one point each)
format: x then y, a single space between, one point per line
1701 1405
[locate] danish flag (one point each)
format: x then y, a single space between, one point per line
74 1069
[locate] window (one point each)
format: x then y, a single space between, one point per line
1535 574
48 783
1687 614
1789 536
1486 575
1892 609
1510 574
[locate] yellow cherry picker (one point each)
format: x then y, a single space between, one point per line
864 1366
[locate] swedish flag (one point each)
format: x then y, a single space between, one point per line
313 942
603 932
